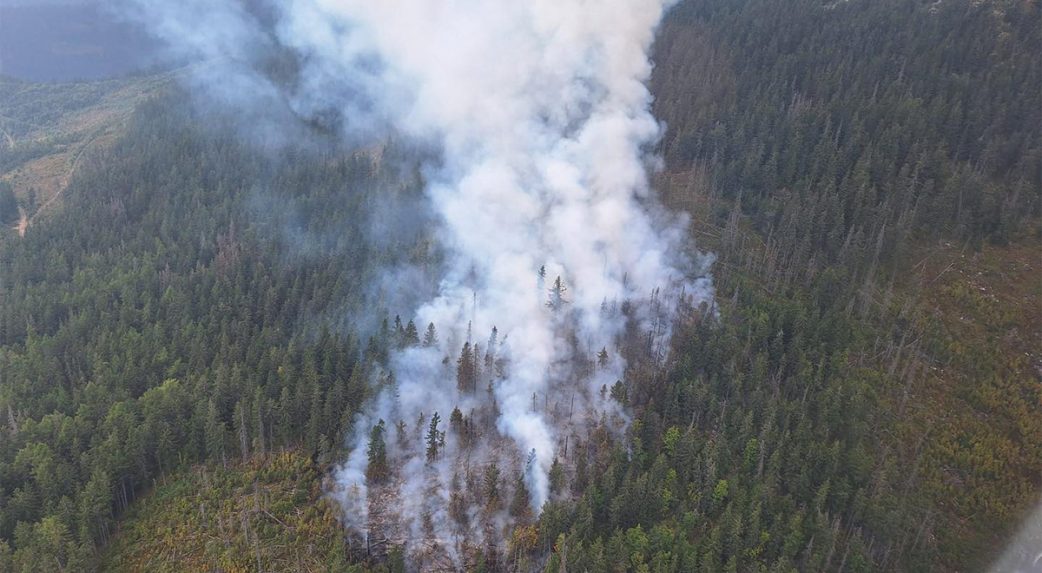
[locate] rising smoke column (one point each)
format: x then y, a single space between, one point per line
541 112
540 115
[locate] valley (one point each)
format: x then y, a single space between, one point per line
215 351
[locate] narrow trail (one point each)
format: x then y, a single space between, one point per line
23 226
23 222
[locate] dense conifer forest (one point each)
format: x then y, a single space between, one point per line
200 319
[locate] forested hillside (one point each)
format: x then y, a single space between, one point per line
869 175
173 312
188 327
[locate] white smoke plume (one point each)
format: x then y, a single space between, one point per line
1024 552
539 113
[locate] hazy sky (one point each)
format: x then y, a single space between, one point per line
65 40
43 2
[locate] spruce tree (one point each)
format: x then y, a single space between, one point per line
378 469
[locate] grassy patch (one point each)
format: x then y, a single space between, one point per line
267 514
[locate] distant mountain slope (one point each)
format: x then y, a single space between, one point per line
47 130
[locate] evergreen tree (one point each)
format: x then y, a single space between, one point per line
411 336
491 486
430 336
557 298
466 370
8 203
377 471
520 505
434 439
556 476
